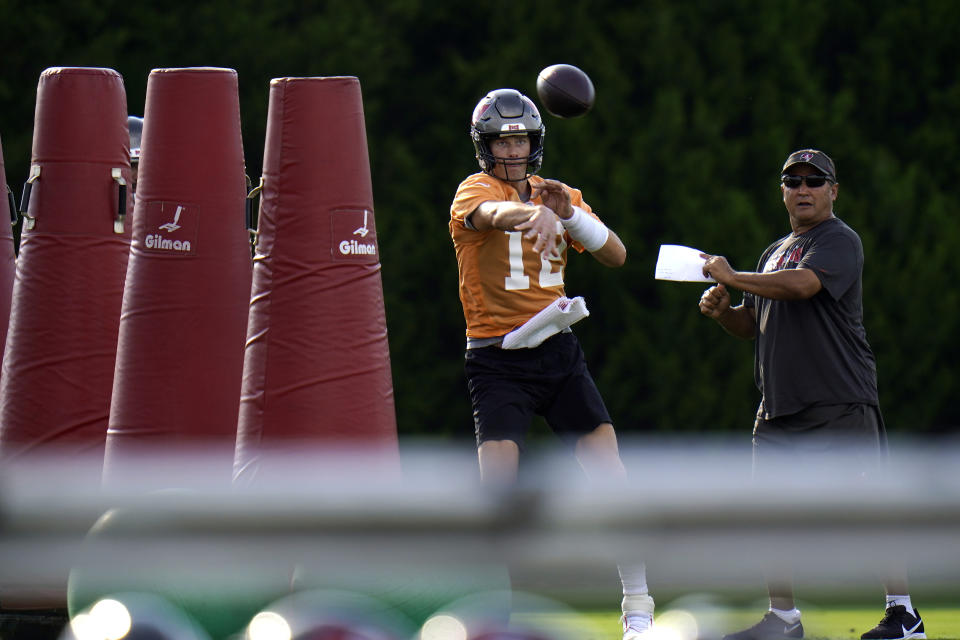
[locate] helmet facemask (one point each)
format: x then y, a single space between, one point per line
506 112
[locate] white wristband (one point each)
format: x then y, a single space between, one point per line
586 229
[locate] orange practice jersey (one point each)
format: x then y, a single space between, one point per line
503 283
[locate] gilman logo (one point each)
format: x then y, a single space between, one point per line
156 241
353 236
171 228
348 247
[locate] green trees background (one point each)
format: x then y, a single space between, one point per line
698 104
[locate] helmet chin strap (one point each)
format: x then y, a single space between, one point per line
512 162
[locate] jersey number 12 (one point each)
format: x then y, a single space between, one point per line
517 279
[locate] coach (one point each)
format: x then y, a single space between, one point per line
813 365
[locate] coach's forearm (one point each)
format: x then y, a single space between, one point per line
787 284
739 322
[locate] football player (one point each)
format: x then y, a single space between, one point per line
512 231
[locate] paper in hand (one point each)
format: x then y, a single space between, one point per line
680 264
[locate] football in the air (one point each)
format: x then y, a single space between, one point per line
565 90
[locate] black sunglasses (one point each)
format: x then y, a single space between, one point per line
793 182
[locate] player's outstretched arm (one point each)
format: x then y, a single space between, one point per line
613 253
589 231
536 221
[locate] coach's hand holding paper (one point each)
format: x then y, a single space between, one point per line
554 318
680 264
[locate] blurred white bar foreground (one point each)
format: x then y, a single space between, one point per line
690 512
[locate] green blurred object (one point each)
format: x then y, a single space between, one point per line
221 602
223 594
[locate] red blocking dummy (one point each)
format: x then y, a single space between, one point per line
8 259
58 369
180 349
317 367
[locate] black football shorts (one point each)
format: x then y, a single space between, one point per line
509 386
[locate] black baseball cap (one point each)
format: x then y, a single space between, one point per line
816 159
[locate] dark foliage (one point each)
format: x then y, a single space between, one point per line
697 105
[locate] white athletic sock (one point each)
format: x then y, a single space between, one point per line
790 617
636 600
893 601
634 578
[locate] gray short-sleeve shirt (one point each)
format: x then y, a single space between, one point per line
814 352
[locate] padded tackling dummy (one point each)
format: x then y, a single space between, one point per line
184 315
61 345
507 615
332 615
133 616
8 258
317 366
136 549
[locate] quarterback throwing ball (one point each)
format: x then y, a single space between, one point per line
512 231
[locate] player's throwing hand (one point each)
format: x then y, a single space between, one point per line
541 227
553 195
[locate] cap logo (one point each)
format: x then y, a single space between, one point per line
806 157
512 127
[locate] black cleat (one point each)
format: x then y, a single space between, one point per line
897 624
770 627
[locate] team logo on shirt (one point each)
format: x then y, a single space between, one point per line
786 257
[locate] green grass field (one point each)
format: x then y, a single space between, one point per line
839 623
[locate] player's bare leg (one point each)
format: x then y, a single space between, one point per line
499 462
599 455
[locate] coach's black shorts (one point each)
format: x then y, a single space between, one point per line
509 386
847 438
